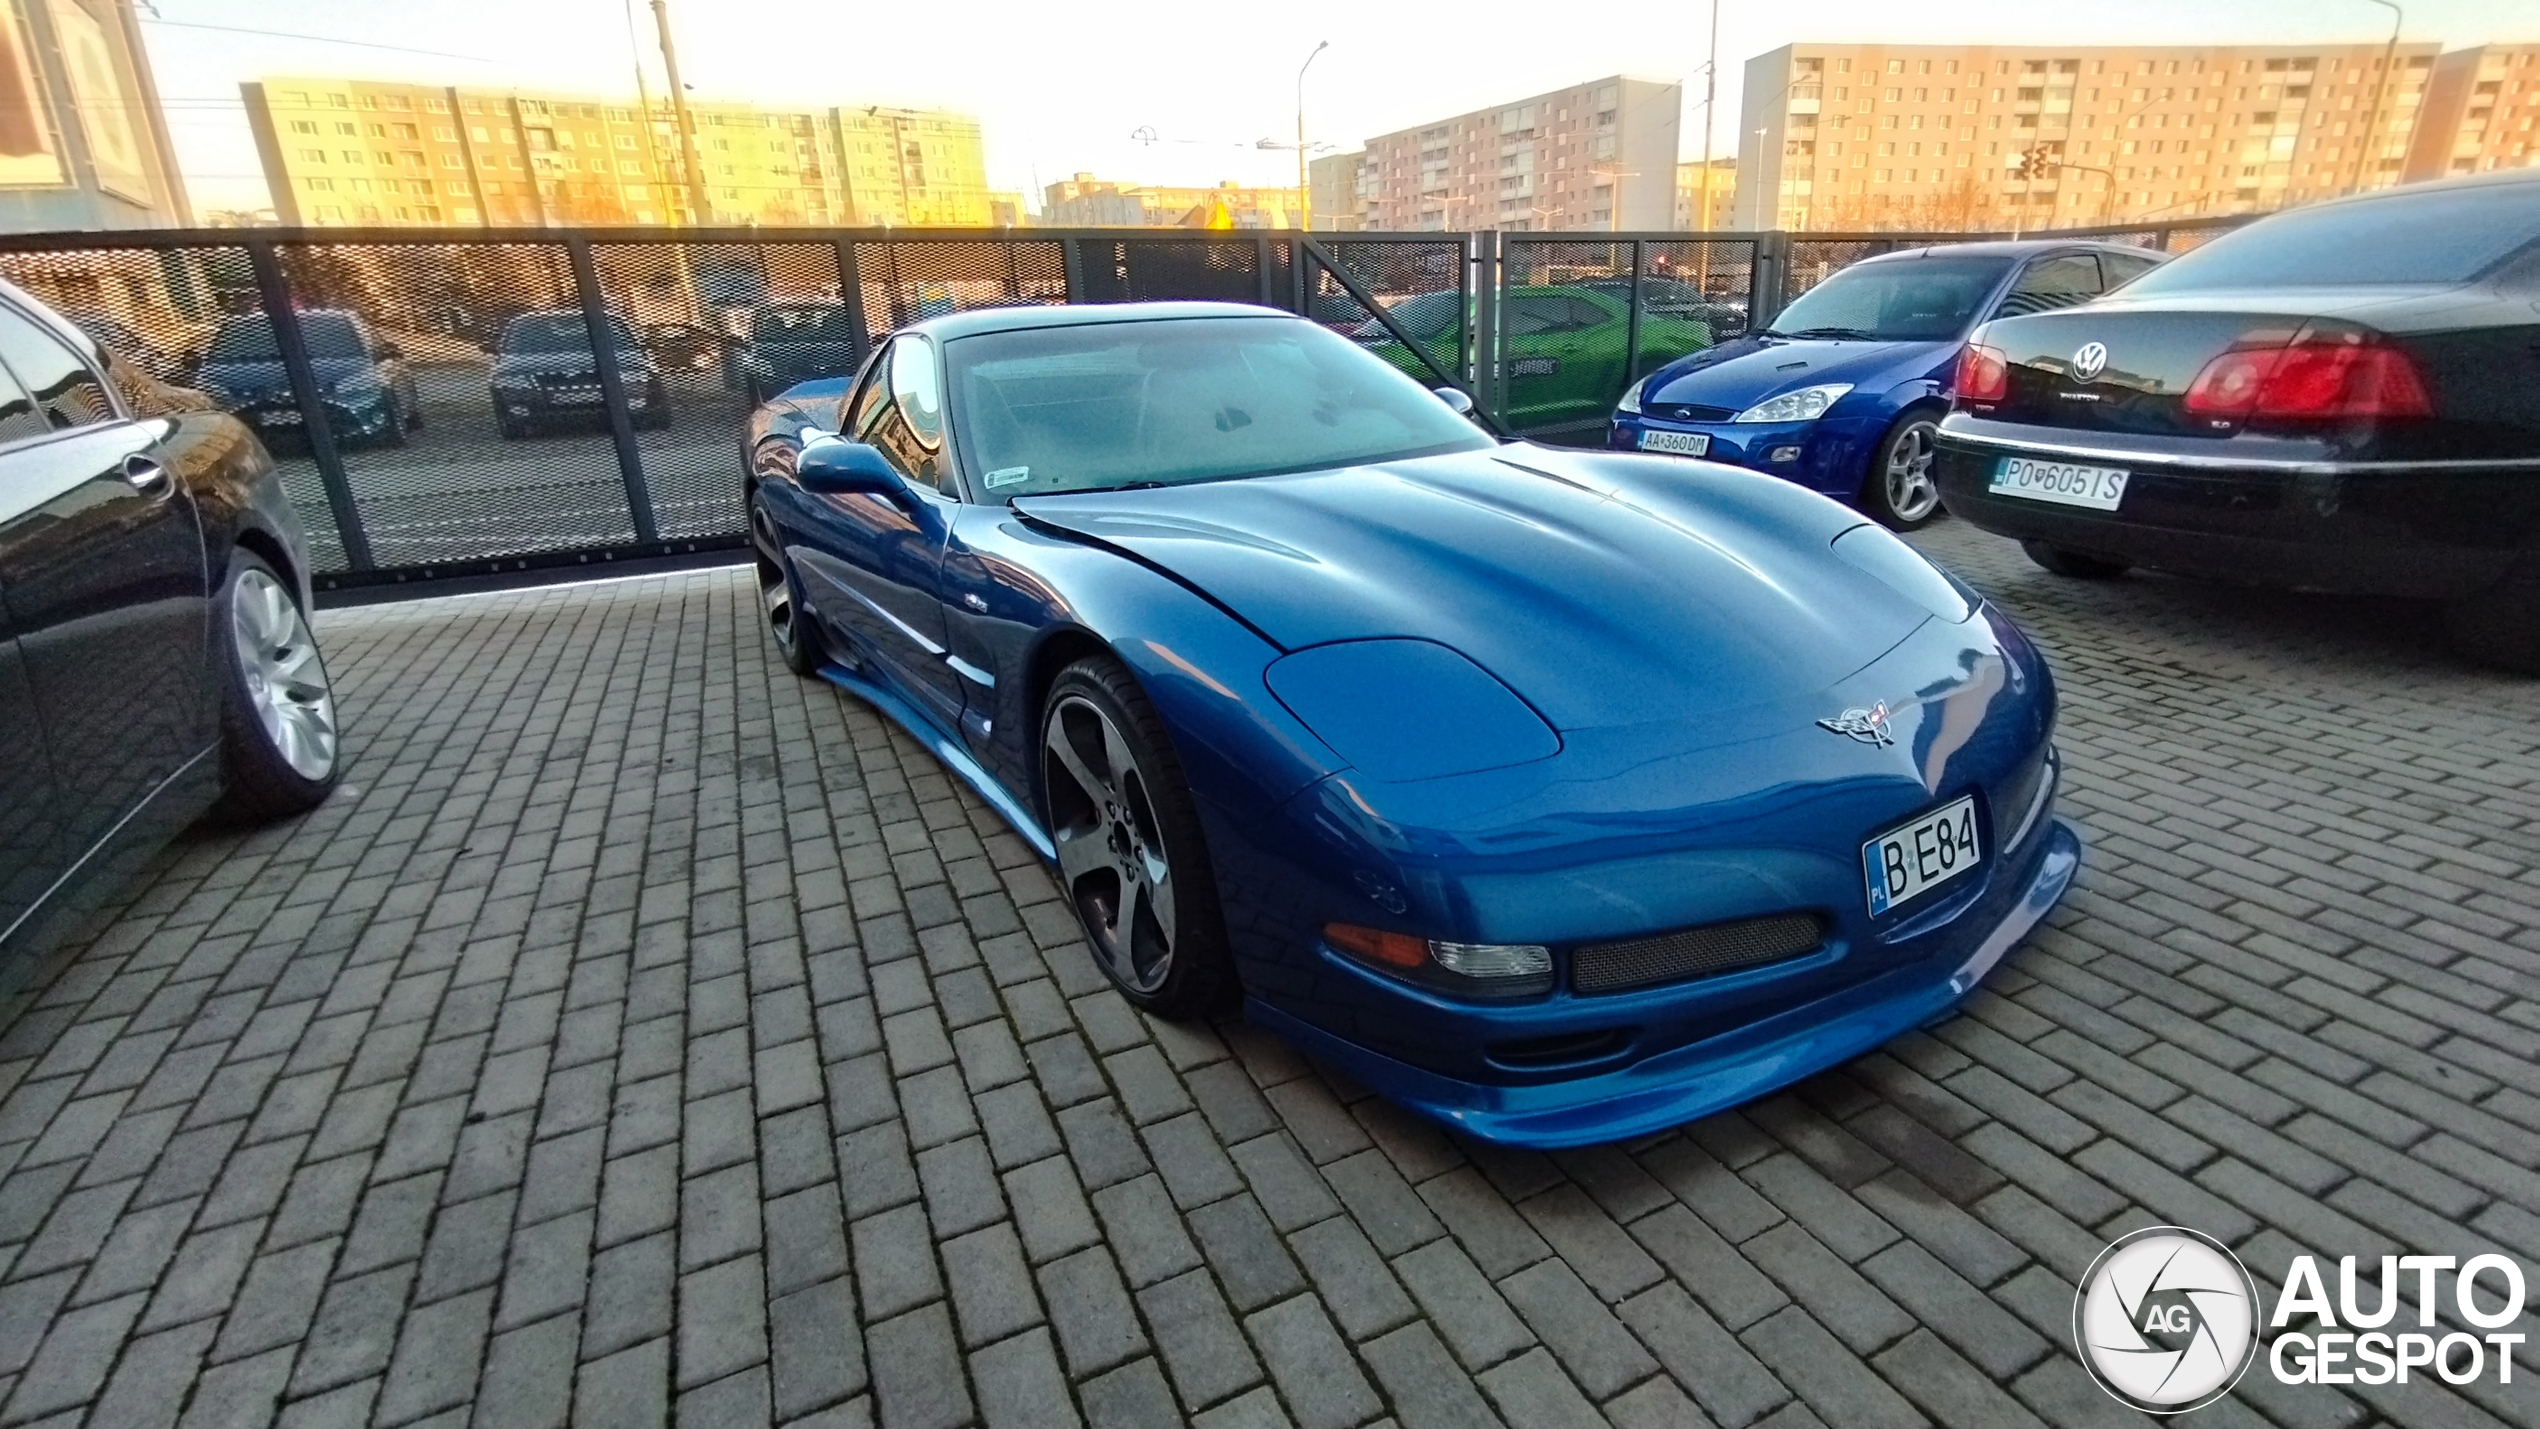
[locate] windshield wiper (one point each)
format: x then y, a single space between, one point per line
1853 333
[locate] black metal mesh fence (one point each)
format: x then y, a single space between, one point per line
445 406
458 390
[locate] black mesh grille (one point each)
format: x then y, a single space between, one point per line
1689 412
1692 952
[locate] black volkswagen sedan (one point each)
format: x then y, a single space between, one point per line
155 658
2338 398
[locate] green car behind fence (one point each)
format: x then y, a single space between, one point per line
1564 348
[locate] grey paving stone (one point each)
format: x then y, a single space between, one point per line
1322 1384
438 1352
1356 1286
78 1350
355 1329
1193 1165
1090 1310
1462 1306
528 1378
816 1346
1531 1390
1427 1388
960 1185
1592 1345
153 1376
1815 1365
917 1370
1202 1350
722 1321
1598 1249
895 1261
1237 1240
1133 1396
1291 1192
1049 1208
806 1238
631 1293
1732 1385
991 1286
1019 1384
630 1387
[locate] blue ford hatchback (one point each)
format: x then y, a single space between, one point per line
1843 391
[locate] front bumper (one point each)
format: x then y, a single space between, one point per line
1736 1066
1828 455
2436 531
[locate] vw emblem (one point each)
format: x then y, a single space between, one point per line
2166 1319
2088 362
1866 725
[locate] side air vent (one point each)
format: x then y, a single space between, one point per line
1693 952
1554 1051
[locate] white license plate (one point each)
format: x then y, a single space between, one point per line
1905 863
283 417
575 399
2098 487
1676 443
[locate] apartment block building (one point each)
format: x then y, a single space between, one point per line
1858 135
341 151
1334 185
1083 201
1691 193
1599 155
2482 108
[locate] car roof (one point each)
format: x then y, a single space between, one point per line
2008 248
1015 319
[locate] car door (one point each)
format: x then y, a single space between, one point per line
32 850
101 564
871 564
1537 334
2058 280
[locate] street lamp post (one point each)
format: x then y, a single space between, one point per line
2380 84
1304 186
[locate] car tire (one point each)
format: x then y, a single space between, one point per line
780 595
2079 565
393 432
1119 810
1899 492
508 429
2500 626
280 751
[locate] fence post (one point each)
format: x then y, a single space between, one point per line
630 461
275 291
1486 367
1631 325
1298 288
1261 264
1071 257
851 297
1768 278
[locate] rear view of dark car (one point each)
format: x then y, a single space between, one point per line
368 389
546 376
2339 398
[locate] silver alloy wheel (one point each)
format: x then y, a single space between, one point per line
285 676
1111 858
775 592
1911 493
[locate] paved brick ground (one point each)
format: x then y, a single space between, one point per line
642 1032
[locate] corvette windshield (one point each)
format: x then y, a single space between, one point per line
1911 300
1110 405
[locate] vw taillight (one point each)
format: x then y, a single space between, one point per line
1984 375
2324 374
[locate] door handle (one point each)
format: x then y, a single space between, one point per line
147 476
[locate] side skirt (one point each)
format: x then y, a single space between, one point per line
948 749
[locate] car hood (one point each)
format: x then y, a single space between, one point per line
1604 590
1737 375
567 364
250 378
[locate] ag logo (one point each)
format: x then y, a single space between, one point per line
2089 359
2166 1320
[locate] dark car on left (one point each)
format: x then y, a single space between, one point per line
363 379
156 659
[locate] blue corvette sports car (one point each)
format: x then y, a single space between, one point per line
1843 392
1563 796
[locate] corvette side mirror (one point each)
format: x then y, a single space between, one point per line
833 466
1456 399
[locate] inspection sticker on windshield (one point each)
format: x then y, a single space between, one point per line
1905 863
1676 443
2098 487
1008 476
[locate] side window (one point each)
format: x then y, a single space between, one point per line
900 412
1533 317
18 418
2053 283
67 392
869 400
1585 315
2124 268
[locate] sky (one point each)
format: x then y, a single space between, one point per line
1063 88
